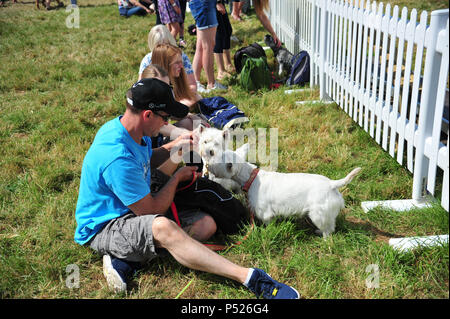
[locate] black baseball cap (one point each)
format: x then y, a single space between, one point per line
155 95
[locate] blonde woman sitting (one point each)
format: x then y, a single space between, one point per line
170 58
159 34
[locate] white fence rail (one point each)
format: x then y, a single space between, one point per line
387 69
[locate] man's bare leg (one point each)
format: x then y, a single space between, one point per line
193 254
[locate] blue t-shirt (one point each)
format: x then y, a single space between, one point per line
115 174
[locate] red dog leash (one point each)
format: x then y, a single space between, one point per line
173 207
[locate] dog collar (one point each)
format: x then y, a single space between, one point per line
250 180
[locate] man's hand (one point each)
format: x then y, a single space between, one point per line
161 201
183 144
186 173
182 141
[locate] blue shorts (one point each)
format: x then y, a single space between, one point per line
204 13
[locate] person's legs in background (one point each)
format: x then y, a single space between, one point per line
222 47
203 58
204 13
237 10
182 43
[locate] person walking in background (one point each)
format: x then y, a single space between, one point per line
237 10
182 42
204 13
170 15
221 50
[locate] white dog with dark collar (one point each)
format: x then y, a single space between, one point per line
273 194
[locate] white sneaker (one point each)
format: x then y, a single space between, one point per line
234 38
201 88
113 278
217 86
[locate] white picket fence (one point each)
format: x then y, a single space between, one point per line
386 69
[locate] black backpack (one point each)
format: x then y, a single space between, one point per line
300 69
254 51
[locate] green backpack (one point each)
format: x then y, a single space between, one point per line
255 74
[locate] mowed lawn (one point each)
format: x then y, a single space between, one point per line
58 85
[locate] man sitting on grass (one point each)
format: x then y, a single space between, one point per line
118 217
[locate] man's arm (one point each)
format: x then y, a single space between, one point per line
167 157
160 203
159 156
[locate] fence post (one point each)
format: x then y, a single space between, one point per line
313 25
428 101
323 49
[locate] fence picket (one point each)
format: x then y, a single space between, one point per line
384 46
409 36
347 56
360 21
373 98
330 40
390 73
367 91
412 126
364 29
341 66
401 26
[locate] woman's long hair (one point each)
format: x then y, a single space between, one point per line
163 55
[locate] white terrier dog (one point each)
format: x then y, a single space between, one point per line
211 140
273 194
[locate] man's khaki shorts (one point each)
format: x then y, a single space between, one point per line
130 237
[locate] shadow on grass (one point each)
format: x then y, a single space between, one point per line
351 224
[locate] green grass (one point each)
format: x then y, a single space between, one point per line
59 85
